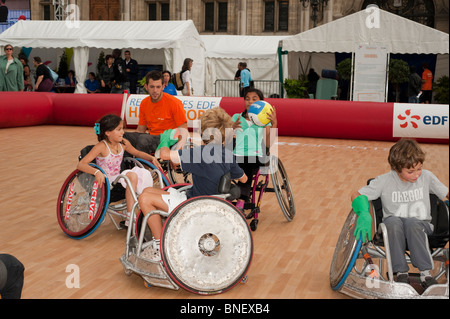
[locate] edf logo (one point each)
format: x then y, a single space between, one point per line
408 119
435 120
420 120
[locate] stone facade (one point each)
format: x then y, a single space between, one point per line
244 17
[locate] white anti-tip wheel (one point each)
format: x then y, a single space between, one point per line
206 245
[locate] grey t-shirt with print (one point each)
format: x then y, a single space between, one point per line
405 199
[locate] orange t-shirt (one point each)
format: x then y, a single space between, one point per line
427 76
166 114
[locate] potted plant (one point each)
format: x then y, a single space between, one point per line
398 74
344 69
441 89
296 89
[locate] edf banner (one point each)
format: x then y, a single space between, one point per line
420 120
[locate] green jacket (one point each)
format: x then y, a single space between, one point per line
13 79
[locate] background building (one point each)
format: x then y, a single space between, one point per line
245 17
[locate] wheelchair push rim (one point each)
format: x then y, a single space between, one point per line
283 189
345 254
206 245
82 204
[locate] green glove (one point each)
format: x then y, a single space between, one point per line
167 139
363 228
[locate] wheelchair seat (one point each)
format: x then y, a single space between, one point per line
225 186
439 219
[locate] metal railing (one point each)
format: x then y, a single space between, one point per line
230 88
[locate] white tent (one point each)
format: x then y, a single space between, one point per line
371 26
224 52
176 39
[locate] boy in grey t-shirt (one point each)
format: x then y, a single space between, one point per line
404 193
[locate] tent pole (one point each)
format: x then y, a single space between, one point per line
280 69
351 77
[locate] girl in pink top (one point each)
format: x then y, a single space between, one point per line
108 154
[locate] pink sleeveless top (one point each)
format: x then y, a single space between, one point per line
111 163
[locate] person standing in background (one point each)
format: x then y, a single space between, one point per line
246 78
187 77
106 75
44 81
427 84
11 71
3 12
131 70
414 85
120 80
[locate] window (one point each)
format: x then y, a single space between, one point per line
158 11
276 16
216 16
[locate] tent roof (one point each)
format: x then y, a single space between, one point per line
100 34
398 34
241 47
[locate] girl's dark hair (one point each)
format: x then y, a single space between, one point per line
107 123
186 64
258 92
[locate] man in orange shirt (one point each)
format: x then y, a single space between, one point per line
427 84
157 112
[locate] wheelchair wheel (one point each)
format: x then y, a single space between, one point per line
206 245
81 204
345 254
283 189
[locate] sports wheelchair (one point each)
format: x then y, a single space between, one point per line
354 272
206 245
82 204
280 185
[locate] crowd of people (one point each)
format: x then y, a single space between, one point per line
115 76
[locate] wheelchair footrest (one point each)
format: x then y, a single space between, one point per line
152 271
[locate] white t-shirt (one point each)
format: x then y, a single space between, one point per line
405 199
186 78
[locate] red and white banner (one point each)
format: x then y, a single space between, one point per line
420 120
194 106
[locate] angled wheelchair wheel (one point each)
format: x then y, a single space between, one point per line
282 188
345 254
206 245
82 204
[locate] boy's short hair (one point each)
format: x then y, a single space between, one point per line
214 123
406 153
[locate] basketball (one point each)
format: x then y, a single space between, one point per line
258 111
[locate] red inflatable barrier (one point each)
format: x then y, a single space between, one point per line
327 119
25 109
296 117
84 109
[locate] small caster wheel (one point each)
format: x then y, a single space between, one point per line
147 285
244 280
254 224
